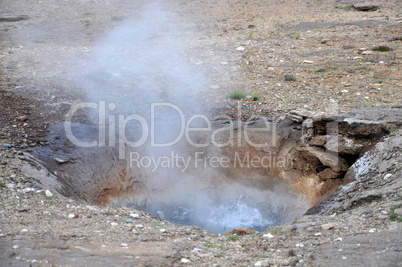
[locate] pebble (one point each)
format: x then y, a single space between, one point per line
372 230
240 48
60 160
135 216
48 193
327 226
113 224
24 230
71 215
184 260
367 52
308 61
317 234
160 215
269 235
129 221
124 245
15 246
139 226
388 175
7 145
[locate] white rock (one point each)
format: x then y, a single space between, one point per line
262 263
48 193
387 176
317 234
15 246
240 48
184 260
344 258
344 91
124 245
71 215
338 239
269 235
24 230
372 230
367 52
162 230
139 226
327 226
113 224
381 62
135 216
308 61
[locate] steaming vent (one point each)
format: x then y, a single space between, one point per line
142 87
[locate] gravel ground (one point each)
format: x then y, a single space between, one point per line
324 49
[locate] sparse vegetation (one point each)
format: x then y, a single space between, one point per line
297 36
208 244
349 7
219 255
289 78
233 237
255 96
159 224
291 253
237 95
276 230
108 213
321 70
392 214
2 185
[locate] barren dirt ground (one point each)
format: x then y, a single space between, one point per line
303 57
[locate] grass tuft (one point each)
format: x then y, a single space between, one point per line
289 78
237 95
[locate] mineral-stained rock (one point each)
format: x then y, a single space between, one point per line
329 174
326 158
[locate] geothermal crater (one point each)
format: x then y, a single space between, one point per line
241 174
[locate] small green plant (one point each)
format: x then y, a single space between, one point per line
233 237
250 35
297 36
10 66
159 224
386 18
379 81
289 78
49 198
219 255
208 244
255 96
2 185
246 247
349 7
340 73
255 256
237 95
291 253
392 214
276 231
108 213
321 70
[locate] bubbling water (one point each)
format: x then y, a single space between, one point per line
219 215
